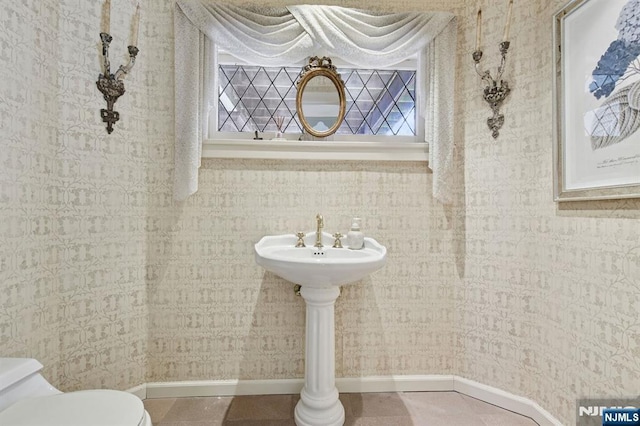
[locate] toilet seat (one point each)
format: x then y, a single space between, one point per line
92 407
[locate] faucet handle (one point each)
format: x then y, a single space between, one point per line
300 242
337 243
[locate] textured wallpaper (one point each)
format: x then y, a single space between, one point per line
110 284
550 301
215 314
29 251
73 203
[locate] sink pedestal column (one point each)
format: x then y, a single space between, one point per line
319 404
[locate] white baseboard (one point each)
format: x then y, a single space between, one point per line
506 400
422 383
223 388
140 391
415 383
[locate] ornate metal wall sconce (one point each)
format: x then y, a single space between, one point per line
496 89
112 85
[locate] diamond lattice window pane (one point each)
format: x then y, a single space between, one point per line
377 101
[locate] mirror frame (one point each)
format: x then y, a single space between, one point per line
320 67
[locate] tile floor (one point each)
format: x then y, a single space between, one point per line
366 409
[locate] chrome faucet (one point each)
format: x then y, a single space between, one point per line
320 223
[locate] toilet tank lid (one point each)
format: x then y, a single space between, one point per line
13 370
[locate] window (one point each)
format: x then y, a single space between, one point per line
379 102
272 36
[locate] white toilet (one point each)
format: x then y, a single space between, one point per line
27 399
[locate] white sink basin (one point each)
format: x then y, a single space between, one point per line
318 267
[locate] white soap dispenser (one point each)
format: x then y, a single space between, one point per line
355 238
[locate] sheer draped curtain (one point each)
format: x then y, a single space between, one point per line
281 36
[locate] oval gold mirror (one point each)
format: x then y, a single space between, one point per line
320 100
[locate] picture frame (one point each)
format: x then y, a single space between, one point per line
597 100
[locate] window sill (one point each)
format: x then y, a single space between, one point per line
315 150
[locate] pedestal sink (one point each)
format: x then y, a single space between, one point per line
320 271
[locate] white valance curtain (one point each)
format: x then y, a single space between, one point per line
282 36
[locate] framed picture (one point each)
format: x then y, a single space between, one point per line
597 100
